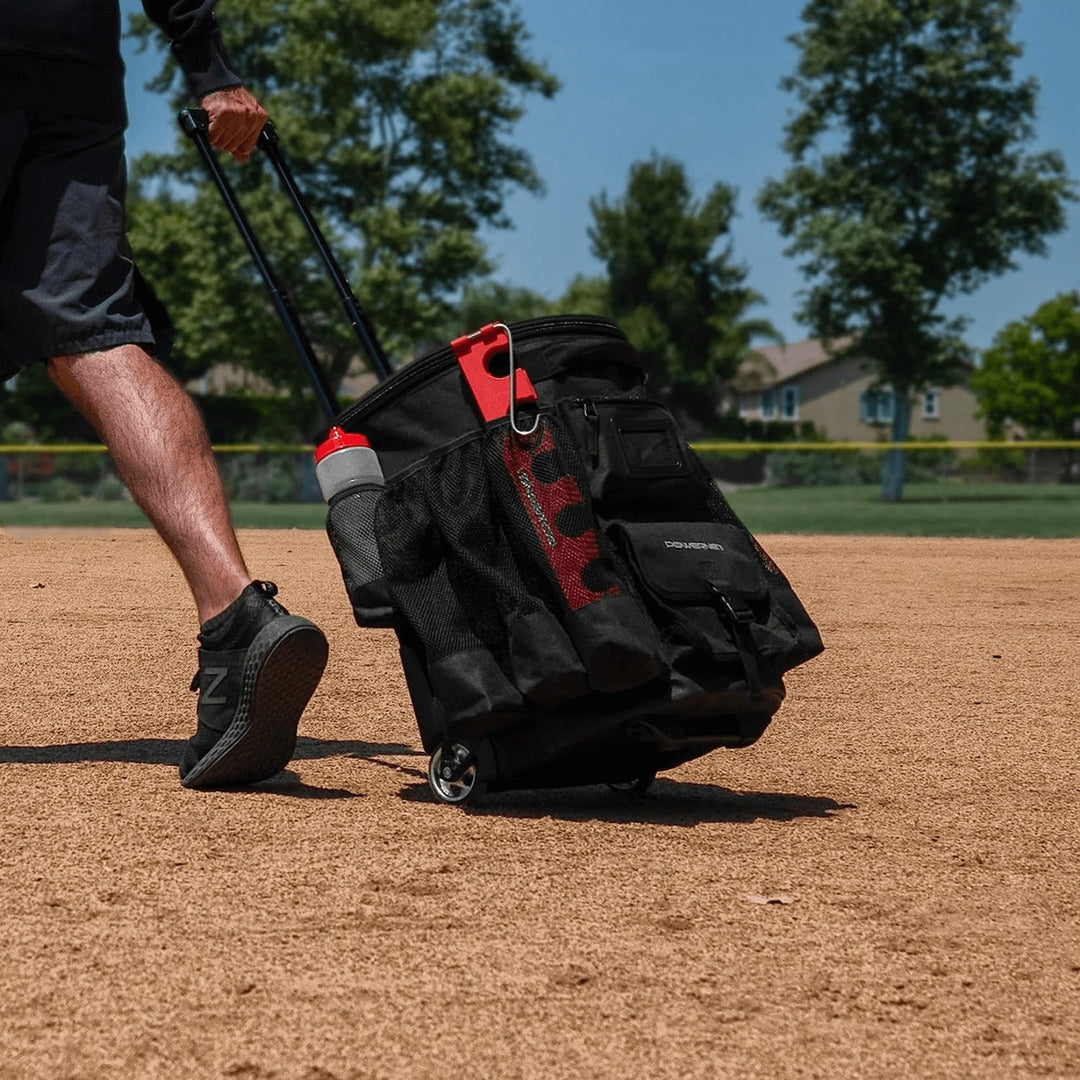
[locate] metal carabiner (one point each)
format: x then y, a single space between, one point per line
513 389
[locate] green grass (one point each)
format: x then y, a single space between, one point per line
946 508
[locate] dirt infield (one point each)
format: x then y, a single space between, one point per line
885 885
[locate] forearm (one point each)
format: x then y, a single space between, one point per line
196 43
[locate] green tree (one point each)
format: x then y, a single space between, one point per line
491 301
679 296
587 295
1031 373
30 401
396 117
910 184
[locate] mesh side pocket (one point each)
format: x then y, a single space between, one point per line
544 505
350 525
511 619
464 675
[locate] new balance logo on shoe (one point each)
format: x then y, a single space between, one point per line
220 674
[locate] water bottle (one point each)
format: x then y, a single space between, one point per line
346 460
351 481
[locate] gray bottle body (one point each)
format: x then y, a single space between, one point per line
349 467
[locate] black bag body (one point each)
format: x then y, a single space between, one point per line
574 599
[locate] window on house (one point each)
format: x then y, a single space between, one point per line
789 403
876 406
931 405
768 404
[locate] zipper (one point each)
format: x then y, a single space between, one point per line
592 430
426 366
628 402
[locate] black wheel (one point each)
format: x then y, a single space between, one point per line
638 786
453 777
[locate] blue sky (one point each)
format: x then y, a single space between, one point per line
698 80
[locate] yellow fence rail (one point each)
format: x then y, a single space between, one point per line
707 445
97 448
951 444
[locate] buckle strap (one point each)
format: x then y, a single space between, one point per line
741 617
737 608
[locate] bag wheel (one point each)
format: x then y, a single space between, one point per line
453 777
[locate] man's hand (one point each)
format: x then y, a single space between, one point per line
236 119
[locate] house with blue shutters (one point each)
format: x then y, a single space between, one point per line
802 382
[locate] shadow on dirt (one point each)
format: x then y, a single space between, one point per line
137 751
313 749
667 802
168 751
289 784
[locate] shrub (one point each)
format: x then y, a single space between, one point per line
59 489
110 489
270 478
814 468
924 465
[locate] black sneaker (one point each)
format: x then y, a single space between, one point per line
258 667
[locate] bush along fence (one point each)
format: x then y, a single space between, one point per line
280 473
804 464
68 472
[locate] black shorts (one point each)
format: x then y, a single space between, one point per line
67 278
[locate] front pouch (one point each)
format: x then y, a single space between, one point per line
543 500
708 587
636 460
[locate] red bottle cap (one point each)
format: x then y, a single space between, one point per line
339 440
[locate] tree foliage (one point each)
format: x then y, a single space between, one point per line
396 117
491 301
675 290
1031 373
910 183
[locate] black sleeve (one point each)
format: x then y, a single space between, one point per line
196 42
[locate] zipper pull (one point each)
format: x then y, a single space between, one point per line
592 420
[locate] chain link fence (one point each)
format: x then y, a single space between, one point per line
286 473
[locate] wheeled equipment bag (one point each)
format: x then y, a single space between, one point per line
574 599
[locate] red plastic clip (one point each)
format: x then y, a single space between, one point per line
475 352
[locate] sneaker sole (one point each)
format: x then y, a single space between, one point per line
282 669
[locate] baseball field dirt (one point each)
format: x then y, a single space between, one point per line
886 885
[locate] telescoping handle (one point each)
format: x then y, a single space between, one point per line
195 124
361 324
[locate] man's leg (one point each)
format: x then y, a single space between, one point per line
67 290
258 665
160 448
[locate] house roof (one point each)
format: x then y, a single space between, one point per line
774 364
